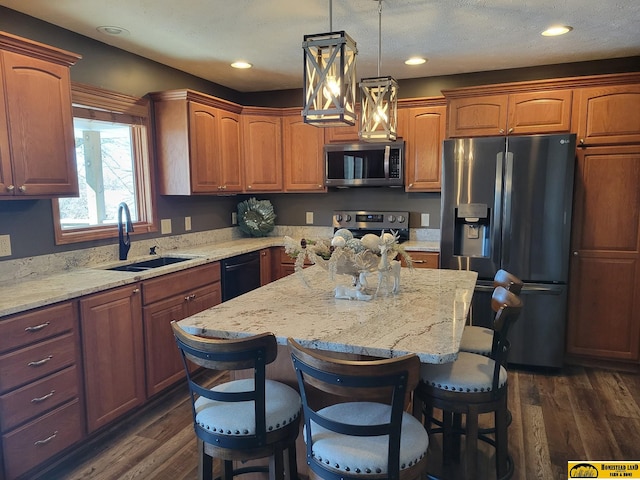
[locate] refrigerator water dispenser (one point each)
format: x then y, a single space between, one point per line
471 237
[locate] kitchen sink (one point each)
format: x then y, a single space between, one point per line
149 264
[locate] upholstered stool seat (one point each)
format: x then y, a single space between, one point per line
366 455
469 373
281 408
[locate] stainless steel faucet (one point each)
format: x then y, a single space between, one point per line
125 243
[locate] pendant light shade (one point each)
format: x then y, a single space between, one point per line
329 79
379 97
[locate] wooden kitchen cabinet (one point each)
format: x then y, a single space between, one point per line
266 266
262 142
608 115
113 352
303 155
168 298
604 287
41 403
37 147
346 134
199 147
472 113
422 259
424 129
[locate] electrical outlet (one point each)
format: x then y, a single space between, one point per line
165 226
187 223
309 218
5 245
424 219
234 218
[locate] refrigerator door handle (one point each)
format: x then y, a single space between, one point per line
506 208
496 220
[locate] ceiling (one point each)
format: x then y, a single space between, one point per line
203 37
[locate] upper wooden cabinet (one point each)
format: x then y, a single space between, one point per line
607 114
262 130
547 111
423 129
199 146
303 158
37 148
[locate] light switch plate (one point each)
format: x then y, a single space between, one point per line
165 226
424 219
5 245
187 223
309 218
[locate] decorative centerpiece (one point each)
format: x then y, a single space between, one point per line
354 257
256 217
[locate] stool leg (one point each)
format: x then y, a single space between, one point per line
447 438
501 437
292 473
456 426
471 443
227 470
205 463
276 465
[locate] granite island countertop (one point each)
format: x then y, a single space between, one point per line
426 317
45 284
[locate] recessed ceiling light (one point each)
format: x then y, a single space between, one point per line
415 61
112 30
557 30
241 65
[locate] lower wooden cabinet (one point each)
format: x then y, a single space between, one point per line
171 298
113 352
41 401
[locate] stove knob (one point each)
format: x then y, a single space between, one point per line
401 218
391 218
338 217
347 218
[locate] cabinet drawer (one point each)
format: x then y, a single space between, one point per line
24 329
423 259
30 363
32 400
35 442
174 283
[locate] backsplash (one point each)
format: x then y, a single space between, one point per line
58 262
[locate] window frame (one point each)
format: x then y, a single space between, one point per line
94 102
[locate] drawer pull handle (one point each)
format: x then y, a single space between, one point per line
43 398
37 363
37 328
46 440
418 261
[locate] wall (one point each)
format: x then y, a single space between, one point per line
29 222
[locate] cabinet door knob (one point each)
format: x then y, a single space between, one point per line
10 188
575 254
501 132
136 290
22 188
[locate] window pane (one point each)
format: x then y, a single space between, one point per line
106 174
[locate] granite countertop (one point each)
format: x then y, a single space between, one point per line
426 317
36 289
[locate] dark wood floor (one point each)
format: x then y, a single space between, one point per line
578 414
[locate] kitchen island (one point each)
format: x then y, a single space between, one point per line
426 317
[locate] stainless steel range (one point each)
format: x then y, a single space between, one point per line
361 222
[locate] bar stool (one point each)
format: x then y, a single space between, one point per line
476 339
472 385
243 419
368 435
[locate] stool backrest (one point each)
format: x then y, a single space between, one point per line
367 380
507 306
251 353
508 280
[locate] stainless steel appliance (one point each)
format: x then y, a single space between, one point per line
240 274
361 222
506 203
365 164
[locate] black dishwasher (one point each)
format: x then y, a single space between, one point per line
240 274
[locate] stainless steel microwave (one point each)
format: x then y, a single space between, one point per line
364 164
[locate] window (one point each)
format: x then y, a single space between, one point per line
113 162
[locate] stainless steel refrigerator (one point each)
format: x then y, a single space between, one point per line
506 203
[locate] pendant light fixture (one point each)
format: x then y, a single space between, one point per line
379 96
329 78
